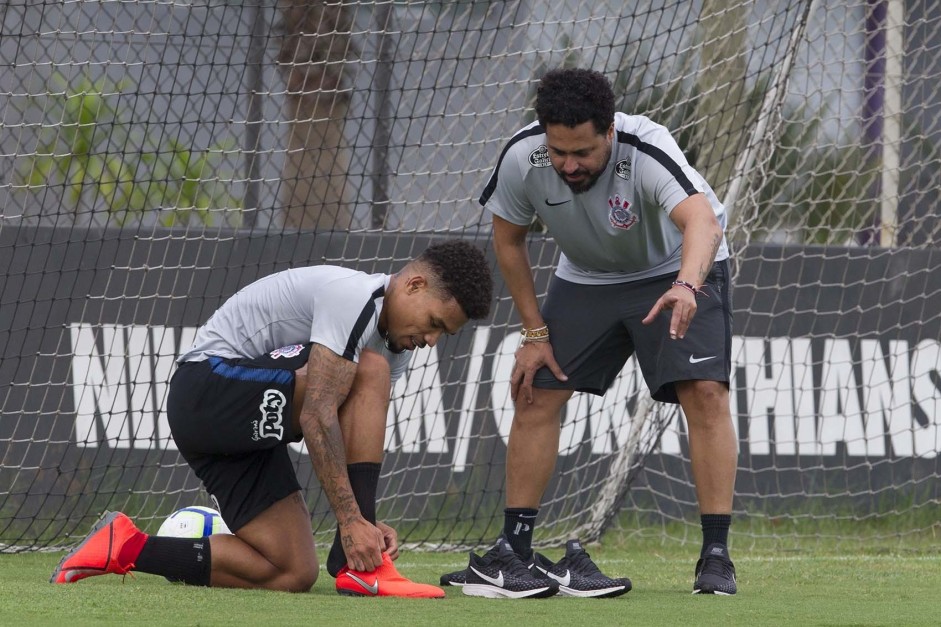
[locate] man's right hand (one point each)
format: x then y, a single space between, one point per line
530 357
363 544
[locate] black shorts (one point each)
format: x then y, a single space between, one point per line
231 420
594 329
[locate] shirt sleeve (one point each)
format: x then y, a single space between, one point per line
665 176
345 316
509 197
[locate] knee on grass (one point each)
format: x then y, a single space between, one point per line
298 579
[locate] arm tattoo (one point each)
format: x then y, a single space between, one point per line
329 378
707 268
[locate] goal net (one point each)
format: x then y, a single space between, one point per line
156 156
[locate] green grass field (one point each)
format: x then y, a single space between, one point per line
871 585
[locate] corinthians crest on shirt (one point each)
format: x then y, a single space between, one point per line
287 351
621 216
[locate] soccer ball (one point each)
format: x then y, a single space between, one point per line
193 522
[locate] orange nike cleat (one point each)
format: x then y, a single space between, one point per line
385 581
107 548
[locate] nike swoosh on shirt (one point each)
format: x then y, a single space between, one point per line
556 204
497 581
371 589
696 360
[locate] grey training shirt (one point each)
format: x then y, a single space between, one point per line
619 230
333 306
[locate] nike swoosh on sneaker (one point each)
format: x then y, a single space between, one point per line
696 360
563 581
370 588
497 581
74 575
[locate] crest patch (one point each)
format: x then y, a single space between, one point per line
623 169
539 158
621 216
287 351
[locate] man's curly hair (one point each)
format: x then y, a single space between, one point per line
464 273
573 96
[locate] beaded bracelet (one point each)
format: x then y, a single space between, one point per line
692 288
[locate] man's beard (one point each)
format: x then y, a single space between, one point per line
582 186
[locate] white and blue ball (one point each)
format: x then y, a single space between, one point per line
193 522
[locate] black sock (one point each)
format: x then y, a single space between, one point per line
518 523
364 479
177 559
715 530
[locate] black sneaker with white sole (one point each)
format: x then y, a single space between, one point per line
458 578
715 572
578 576
500 573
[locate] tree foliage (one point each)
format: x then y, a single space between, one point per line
101 158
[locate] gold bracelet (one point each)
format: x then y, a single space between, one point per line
535 335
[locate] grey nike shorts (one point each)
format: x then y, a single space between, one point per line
594 329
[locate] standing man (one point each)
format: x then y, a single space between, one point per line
305 354
643 271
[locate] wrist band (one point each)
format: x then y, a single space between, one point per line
692 288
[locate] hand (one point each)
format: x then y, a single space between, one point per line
530 357
683 303
391 539
363 544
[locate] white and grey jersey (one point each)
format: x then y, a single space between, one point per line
619 230
329 305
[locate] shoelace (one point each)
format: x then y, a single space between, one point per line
581 563
512 565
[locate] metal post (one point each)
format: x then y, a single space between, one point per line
382 135
255 82
892 124
882 109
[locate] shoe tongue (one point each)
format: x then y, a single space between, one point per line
502 546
